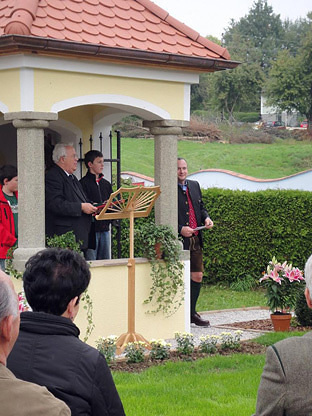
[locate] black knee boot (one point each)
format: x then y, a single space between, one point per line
195 317
195 289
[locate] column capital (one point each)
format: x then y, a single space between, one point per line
30 115
165 127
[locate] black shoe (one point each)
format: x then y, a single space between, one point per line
197 320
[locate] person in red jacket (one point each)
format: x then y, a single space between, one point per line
8 211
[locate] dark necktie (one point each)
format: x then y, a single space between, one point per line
77 188
192 217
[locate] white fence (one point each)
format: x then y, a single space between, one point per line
218 178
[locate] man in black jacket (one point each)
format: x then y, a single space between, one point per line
97 189
67 207
192 214
48 351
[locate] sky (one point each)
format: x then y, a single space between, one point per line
211 17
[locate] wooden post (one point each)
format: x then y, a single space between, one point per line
138 203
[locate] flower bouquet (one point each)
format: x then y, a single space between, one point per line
283 283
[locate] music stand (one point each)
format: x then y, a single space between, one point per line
130 203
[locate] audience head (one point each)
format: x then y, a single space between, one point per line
308 279
9 316
53 278
8 297
64 155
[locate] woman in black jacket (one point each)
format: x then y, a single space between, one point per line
48 351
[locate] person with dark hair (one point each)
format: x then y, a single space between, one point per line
8 211
17 397
192 214
48 351
67 207
98 190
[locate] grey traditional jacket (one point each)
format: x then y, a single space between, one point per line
286 383
19 398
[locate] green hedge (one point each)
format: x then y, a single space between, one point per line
246 117
252 227
249 229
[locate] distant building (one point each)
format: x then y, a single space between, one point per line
269 114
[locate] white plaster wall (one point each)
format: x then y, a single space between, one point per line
217 178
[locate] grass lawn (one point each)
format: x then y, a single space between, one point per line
200 388
282 158
213 386
213 297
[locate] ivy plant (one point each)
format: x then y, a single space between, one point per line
167 290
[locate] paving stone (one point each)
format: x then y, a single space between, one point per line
224 317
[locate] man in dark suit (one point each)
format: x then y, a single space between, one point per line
66 204
285 387
192 214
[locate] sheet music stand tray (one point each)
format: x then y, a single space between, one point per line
130 203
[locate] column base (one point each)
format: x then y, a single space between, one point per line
21 255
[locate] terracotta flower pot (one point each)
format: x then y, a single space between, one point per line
281 321
158 251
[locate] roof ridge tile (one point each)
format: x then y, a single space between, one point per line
21 18
214 47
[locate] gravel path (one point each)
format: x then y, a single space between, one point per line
224 317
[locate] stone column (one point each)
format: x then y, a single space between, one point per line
30 162
166 134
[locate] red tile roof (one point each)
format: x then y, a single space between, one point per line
126 24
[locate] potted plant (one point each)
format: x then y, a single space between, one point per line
283 283
159 244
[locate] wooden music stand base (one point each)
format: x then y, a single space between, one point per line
123 340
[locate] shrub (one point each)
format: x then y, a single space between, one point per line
244 283
185 343
246 117
67 240
200 128
131 126
208 344
251 227
230 341
107 347
160 349
251 136
302 311
134 351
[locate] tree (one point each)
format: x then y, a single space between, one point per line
289 86
261 34
200 93
236 89
294 33
255 40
